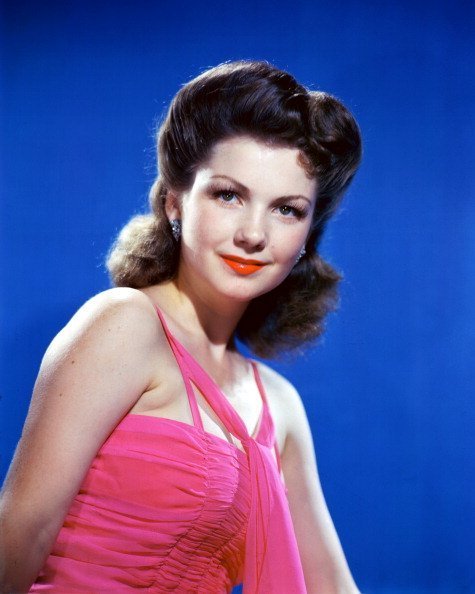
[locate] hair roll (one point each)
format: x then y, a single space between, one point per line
145 252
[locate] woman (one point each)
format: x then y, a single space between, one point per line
154 455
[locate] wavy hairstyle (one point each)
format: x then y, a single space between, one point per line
258 100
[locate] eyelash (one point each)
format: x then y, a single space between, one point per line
224 192
298 212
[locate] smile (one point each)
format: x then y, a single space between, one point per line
243 266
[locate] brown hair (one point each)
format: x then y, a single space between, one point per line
254 99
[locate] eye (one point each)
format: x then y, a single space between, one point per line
292 211
286 210
227 195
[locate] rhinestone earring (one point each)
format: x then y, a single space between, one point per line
176 229
301 254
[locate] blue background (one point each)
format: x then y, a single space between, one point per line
389 389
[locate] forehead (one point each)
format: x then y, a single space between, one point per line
257 164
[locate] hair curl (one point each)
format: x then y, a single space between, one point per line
258 100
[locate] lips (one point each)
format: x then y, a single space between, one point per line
243 266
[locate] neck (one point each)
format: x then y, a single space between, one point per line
211 322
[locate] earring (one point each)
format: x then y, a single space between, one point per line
176 229
301 254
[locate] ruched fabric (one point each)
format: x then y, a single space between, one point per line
168 507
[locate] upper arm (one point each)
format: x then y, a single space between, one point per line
91 374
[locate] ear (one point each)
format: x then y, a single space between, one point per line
172 205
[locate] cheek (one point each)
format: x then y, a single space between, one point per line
287 245
203 226
209 220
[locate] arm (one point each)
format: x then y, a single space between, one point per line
91 375
324 564
323 560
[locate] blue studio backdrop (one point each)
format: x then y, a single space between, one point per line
389 389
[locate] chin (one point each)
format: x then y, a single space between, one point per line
245 295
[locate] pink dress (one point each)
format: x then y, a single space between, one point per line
167 507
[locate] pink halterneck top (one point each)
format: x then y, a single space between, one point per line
168 507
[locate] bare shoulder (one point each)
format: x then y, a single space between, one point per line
285 403
107 350
129 310
277 386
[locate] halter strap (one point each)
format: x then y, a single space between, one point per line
197 421
265 409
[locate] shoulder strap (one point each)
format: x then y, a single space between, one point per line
184 371
267 417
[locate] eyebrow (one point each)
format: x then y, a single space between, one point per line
245 190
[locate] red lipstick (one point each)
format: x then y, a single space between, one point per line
243 266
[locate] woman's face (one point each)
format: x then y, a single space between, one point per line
244 220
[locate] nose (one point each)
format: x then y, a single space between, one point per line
251 234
